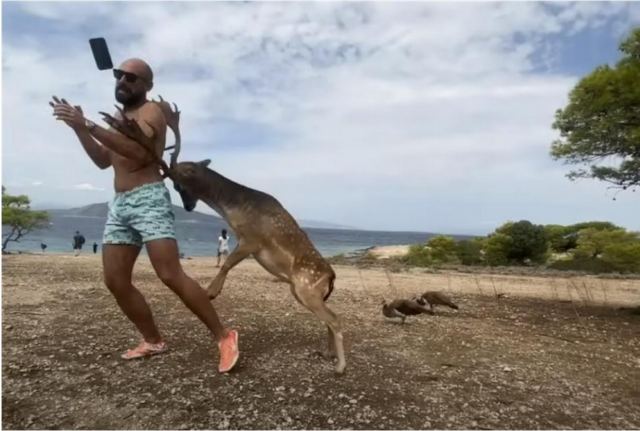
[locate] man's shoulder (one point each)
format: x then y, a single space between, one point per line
151 113
151 108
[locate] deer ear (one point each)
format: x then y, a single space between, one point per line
205 162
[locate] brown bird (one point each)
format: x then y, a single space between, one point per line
402 308
435 298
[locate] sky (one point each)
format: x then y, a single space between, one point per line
431 117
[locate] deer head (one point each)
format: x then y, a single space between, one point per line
188 181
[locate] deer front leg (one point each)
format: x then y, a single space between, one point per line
237 255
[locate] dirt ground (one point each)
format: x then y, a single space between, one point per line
548 353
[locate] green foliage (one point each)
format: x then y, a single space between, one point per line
418 255
600 127
592 243
442 249
438 250
565 238
604 251
528 242
623 257
594 266
469 252
21 220
598 225
593 246
517 243
497 248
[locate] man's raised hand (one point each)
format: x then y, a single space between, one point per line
71 115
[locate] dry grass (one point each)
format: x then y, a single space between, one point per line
553 353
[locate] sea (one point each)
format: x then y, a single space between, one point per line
201 238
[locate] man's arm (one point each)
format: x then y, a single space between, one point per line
153 125
98 153
151 121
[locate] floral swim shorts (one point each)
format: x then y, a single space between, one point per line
139 215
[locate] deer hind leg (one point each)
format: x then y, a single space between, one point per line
312 298
237 255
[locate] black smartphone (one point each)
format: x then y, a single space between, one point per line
101 53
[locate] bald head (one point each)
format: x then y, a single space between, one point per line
138 67
132 85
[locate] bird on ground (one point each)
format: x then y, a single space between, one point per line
402 308
434 298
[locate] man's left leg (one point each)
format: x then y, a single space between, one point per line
164 257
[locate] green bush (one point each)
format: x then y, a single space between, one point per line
442 249
469 252
497 248
594 266
623 257
418 255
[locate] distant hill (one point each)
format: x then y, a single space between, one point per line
100 210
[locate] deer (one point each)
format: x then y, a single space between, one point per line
264 228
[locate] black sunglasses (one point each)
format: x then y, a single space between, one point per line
128 76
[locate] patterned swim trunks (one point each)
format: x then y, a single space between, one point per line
140 215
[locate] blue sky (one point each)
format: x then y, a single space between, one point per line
393 116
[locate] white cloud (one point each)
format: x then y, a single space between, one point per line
87 186
381 115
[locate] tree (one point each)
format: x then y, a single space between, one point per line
564 238
469 252
600 127
496 248
518 243
442 249
623 257
21 220
559 237
418 255
592 243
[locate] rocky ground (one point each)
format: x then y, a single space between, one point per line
522 352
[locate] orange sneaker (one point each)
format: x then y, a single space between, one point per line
229 352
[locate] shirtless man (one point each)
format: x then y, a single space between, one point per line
141 213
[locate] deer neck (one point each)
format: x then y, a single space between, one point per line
220 193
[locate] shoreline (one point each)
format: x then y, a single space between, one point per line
387 258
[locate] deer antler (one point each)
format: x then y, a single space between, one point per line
132 130
172 116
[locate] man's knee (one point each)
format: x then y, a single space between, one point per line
117 283
172 278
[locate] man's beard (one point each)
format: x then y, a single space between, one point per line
126 97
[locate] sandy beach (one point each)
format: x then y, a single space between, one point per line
522 352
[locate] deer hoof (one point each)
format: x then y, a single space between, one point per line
340 369
325 355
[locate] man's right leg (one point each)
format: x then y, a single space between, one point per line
118 261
